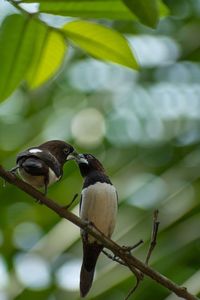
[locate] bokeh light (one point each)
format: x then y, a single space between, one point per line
25 235
3 273
88 127
150 190
67 276
165 50
32 271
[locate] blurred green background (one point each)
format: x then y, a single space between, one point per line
145 128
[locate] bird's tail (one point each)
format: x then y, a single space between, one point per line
91 252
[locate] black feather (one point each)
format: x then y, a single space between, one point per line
91 252
95 177
34 166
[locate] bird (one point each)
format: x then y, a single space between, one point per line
41 166
98 205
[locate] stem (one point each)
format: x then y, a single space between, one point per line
131 262
36 14
17 6
153 236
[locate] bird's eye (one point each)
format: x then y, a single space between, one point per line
66 151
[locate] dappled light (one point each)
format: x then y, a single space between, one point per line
143 125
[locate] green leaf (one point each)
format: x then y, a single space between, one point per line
193 56
101 42
16 46
146 10
48 56
163 9
111 9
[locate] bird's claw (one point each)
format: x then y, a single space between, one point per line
130 248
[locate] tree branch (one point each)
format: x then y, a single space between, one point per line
131 261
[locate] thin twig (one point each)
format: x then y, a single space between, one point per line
133 289
131 261
68 205
128 249
153 235
131 248
125 248
151 248
136 272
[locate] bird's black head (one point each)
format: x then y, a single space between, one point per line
88 163
59 149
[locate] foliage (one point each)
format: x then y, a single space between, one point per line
144 127
35 50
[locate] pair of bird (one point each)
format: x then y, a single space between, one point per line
41 166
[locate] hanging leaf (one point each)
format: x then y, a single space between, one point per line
48 56
112 9
101 42
146 10
163 9
16 47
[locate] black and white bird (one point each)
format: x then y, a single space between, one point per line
98 205
41 166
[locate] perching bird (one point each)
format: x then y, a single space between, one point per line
42 165
98 205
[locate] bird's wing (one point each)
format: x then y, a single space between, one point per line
35 166
45 156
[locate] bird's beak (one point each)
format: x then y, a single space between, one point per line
81 159
73 155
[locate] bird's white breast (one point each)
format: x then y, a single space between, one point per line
38 181
99 205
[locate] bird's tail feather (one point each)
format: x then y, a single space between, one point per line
91 252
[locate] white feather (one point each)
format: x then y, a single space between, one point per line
35 150
52 177
99 205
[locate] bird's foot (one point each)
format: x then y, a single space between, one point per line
130 248
13 170
38 201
